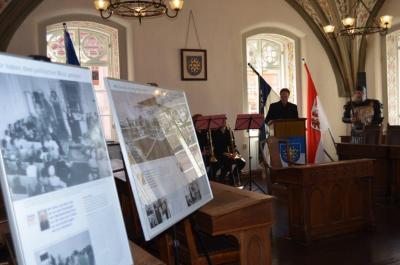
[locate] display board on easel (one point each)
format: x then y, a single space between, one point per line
160 149
56 179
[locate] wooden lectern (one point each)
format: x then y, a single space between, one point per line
290 130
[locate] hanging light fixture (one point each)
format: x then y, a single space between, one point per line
349 24
138 8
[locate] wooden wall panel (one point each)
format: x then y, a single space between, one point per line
329 199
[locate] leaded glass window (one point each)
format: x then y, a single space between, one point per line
273 56
393 74
96 46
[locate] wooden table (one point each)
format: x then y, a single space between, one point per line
386 183
382 165
245 215
394 177
328 199
142 257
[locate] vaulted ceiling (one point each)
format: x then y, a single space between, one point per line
12 17
347 55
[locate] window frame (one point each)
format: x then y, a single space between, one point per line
395 30
297 59
280 70
122 43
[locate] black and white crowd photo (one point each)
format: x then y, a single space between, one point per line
76 250
50 134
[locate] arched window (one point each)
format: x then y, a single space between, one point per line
96 46
273 56
393 75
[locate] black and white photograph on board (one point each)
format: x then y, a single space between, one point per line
158 212
161 152
50 134
148 141
76 250
44 222
193 193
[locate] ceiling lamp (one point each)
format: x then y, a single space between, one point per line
349 24
138 8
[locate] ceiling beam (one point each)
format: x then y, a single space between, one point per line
340 79
12 17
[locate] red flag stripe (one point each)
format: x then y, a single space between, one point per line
313 132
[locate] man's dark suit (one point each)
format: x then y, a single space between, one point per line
278 111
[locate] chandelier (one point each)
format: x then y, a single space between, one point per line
137 8
350 28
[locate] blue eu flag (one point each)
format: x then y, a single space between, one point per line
69 49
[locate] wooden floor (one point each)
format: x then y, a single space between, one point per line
381 246
378 247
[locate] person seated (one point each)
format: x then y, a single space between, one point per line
52 147
31 169
203 141
361 112
282 109
228 158
93 174
54 180
42 186
17 186
63 170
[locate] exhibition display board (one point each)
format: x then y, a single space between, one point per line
56 177
160 148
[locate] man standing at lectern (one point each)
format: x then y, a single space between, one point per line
282 109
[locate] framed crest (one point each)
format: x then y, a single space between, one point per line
193 64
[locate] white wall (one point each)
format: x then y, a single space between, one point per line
153 51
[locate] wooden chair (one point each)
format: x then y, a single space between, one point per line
221 249
372 134
392 135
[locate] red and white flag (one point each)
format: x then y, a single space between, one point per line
317 123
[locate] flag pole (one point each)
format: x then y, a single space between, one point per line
252 68
333 138
328 155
